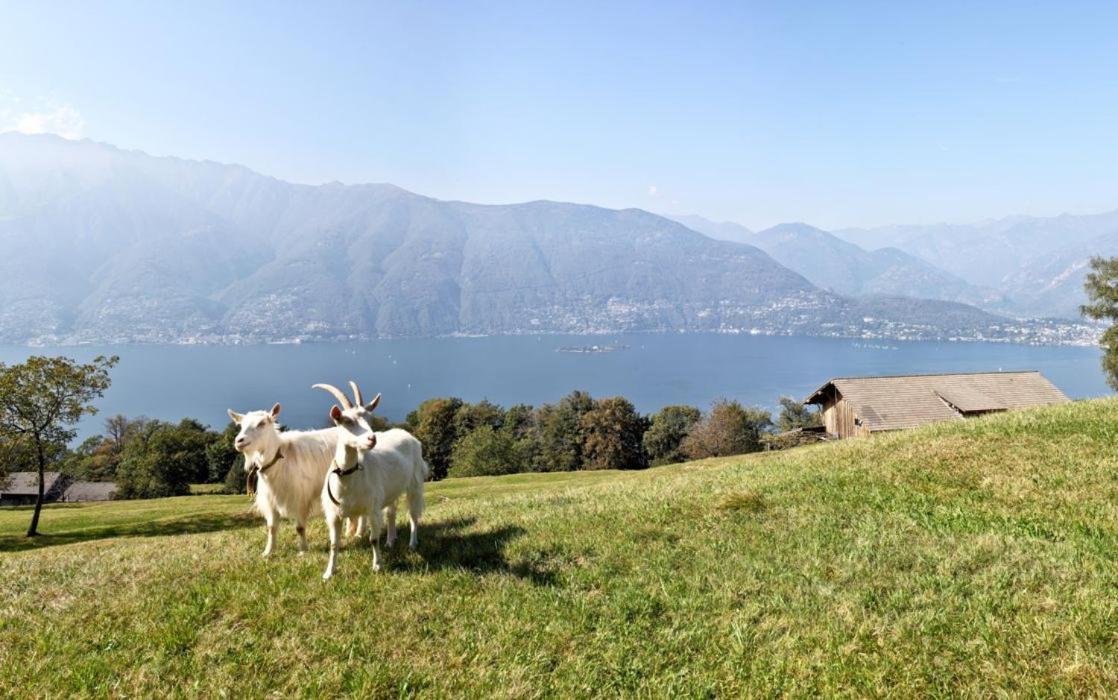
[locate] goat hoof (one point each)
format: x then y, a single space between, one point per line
326 576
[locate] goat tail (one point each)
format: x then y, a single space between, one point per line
424 468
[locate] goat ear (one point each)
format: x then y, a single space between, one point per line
276 410
336 414
372 404
235 417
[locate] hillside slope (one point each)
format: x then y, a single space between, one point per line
974 558
107 245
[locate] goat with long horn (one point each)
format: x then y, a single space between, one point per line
343 401
367 407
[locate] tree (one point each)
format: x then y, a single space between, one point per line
164 459
794 414
485 452
520 424
668 428
729 429
39 401
612 433
471 416
433 424
222 457
97 457
560 432
1102 292
520 420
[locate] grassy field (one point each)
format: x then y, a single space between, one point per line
970 559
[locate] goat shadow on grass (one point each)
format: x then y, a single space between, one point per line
446 545
186 525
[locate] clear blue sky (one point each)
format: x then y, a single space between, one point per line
834 113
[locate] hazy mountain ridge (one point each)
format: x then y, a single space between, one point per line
104 244
1025 267
843 267
1037 264
718 230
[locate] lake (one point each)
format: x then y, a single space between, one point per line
173 381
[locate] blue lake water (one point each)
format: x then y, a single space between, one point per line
170 382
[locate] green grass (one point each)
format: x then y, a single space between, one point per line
968 559
203 489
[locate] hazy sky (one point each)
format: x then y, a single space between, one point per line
836 113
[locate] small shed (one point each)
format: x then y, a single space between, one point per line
860 406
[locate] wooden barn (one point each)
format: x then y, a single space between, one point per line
860 406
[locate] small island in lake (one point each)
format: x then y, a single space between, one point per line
591 348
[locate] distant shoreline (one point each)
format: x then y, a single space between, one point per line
1077 334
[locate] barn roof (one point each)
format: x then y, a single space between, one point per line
27 483
89 491
906 401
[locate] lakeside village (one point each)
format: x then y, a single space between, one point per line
1064 332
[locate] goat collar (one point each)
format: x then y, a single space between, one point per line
340 472
265 467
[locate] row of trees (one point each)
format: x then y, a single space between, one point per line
150 458
580 432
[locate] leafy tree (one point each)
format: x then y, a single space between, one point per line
471 416
668 428
612 433
236 479
560 432
98 457
1102 293
18 455
729 429
520 424
164 460
485 452
433 423
794 414
222 457
520 420
39 401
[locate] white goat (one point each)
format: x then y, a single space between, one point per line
370 472
291 467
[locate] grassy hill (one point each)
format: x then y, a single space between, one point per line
974 558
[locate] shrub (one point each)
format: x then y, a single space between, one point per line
729 429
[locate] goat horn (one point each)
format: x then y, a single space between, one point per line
337 394
356 393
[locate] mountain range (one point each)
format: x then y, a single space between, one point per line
1024 267
106 245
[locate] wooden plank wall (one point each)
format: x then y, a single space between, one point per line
838 418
